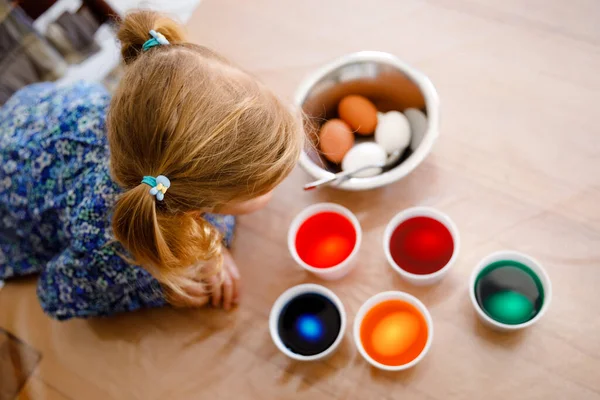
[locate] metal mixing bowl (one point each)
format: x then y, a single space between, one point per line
390 84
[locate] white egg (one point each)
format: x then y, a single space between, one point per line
418 126
393 131
362 155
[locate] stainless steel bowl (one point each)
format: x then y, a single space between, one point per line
390 84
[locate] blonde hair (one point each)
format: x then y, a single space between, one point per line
219 135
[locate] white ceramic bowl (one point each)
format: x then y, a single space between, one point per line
337 271
288 295
523 259
380 298
417 279
363 73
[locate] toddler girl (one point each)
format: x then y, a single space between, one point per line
128 202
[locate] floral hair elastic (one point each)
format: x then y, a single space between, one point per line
158 185
157 39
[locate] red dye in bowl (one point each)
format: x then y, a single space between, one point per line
421 245
325 239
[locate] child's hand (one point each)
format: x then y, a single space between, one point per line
225 287
195 296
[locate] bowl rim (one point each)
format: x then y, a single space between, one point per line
308 212
421 211
289 294
523 258
432 105
377 299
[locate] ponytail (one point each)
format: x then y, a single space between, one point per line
135 28
175 248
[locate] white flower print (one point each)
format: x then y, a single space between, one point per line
5 184
62 147
85 124
24 153
65 294
10 271
79 152
71 198
102 284
19 115
41 162
10 166
11 132
98 99
121 278
36 127
17 200
92 156
86 229
44 159
8 222
49 200
77 102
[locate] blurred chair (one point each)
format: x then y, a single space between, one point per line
26 57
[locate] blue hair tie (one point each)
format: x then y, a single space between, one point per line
156 40
158 185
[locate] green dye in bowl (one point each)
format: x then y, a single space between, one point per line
509 292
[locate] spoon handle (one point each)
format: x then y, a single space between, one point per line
321 182
340 176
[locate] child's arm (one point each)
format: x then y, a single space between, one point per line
90 278
101 283
97 283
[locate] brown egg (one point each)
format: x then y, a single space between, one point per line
358 112
335 139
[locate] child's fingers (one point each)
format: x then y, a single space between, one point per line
227 291
236 291
189 300
215 283
234 271
235 278
236 288
196 290
198 301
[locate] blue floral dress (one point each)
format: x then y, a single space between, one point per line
56 197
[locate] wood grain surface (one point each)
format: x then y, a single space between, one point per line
517 166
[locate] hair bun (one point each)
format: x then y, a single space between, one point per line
135 30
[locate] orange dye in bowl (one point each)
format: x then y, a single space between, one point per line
394 332
325 239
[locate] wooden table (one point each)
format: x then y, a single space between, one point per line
517 166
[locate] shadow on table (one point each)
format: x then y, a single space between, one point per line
403 377
312 373
496 338
189 326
